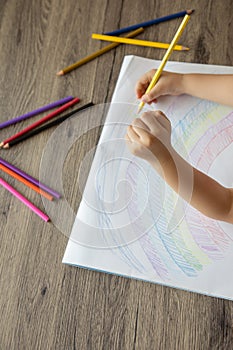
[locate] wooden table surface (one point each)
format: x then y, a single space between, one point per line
45 304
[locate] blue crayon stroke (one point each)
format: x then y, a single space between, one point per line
105 222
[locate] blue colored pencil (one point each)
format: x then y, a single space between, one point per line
149 23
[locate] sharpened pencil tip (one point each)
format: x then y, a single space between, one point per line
1 144
139 109
60 73
184 48
141 104
6 146
189 12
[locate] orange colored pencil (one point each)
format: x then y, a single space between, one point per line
26 182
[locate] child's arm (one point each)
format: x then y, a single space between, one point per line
149 138
214 87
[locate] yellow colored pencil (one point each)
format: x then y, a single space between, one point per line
166 57
121 40
98 53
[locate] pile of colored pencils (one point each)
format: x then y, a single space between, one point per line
30 182
28 132
63 104
134 30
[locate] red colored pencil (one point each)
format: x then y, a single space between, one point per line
41 121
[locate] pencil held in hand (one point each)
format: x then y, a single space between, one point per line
166 57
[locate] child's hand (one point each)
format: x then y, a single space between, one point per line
149 137
168 84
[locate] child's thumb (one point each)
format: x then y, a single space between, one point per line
150 96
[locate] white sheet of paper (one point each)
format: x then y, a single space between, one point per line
130 222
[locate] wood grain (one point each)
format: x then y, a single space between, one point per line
47 305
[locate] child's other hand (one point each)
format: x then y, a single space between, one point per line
149 137
168 84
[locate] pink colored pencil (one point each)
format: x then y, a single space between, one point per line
41 121
24 200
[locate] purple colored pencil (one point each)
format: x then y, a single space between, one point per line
30 178
35 112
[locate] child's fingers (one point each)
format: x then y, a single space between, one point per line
143 83
138 122
140 128
162 119
160 88
153 101
141 131
149 118
152 95
155 120
132 135
140 89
